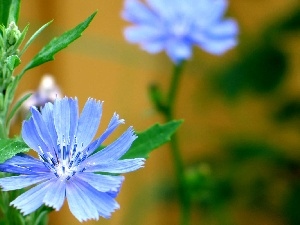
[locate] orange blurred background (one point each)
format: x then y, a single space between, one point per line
102 65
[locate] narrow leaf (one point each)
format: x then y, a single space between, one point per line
151 139
14 11
33 37
11 147
16 107
4 11
21 39
55 45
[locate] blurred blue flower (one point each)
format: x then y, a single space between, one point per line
67 167
175 26
47 91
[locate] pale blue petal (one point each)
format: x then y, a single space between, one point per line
225 29
113 124
88 123
33 198
56 195
103 183
80 206
179 50
219 38
113 194
43 131
115 150
118 166
144 34
47 114
215 10
137 12
31 136
61 115
202 19
18 182
162 7
218 47
103 202
154 46
73 103
5 167
22 163
14 169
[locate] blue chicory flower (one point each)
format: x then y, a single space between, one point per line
175 26
68 166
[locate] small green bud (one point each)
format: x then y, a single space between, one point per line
12 34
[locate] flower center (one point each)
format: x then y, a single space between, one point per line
65 163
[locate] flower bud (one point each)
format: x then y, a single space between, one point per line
12 34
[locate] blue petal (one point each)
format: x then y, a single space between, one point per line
23 164
218 38
43 131
32 199
103 183
225 29
113 124
80 205
154 46
88 122
102 202
179 50
215 9
113 194
73 103
144 34
56 195
136 12
18 182
47 114
31 137
118 166
218 46
162 7
61 115
115 150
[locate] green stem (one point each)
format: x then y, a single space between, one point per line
177 158
3 134
173 89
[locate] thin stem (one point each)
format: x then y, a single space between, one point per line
171 97
3 134
177 158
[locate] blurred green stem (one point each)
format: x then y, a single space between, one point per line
167 109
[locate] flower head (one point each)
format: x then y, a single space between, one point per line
47 91
175 26
68 166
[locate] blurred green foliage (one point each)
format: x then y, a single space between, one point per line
252 174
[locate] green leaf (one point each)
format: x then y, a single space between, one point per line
16 107
9 11
11 147
21 39
4 11
55 45
151 139
13 61
33 37
14 11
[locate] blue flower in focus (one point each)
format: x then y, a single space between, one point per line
175 26
67 167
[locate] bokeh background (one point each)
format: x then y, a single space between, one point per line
241 136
